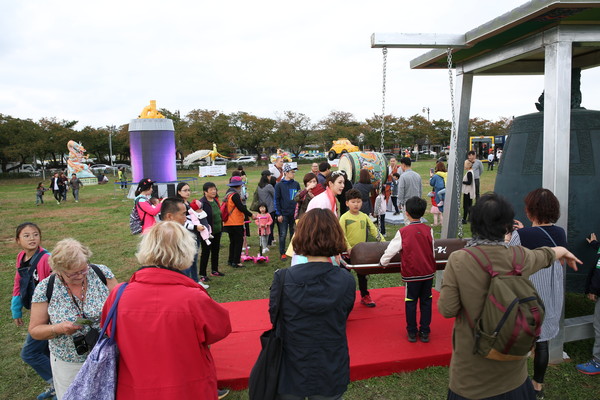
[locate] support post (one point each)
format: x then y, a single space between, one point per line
464 85
557 134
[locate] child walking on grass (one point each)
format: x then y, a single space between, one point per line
415 244
32 268
39 194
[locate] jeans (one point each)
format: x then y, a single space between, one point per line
36 354
418 291
192 271
275 223
57 195
395 204
287 223
39 199
211 251
76 194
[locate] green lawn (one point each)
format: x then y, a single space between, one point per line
101 221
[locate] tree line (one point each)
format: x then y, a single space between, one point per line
22 140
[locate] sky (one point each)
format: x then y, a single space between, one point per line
100 63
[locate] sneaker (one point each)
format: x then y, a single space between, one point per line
366 300
204 278
265 249
591 367
204 285
396 213
283 257
216 273
412 337
48 394
424 337
222 393
234 265
539 394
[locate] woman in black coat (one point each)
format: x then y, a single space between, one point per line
317 299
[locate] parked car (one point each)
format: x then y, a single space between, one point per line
428 153
310 156
28 169
244 160
106 169
341 146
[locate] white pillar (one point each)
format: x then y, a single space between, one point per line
556 148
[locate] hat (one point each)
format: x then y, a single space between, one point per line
235 181
287 168
266 172
145 184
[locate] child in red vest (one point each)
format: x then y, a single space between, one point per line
415 243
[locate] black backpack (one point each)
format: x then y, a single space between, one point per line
50 287
26 281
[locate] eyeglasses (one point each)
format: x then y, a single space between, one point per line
78 273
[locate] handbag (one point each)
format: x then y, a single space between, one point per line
97 378
264 377
255 202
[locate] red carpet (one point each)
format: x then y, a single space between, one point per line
376 336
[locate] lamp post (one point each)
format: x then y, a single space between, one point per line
111 129
426 110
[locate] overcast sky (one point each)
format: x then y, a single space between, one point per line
101 62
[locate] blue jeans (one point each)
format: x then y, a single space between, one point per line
288 222
192 271
37 355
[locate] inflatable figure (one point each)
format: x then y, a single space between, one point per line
75 160
283 154
201 154
150 111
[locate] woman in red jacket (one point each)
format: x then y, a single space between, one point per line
165 323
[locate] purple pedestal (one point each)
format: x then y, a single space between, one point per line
152 146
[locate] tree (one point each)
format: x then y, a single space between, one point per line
251 132
20 141
56 136
180 127
338 124
294 131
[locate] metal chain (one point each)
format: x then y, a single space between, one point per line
383 89
454 145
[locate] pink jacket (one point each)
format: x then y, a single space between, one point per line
321 201
147 212
264 223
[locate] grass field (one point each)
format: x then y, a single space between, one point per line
101 221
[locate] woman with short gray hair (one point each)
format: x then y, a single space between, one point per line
66 309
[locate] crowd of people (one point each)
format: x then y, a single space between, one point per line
70 297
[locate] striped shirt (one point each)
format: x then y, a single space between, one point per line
548 281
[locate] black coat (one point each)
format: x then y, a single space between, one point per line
317 300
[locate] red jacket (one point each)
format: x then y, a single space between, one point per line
165 322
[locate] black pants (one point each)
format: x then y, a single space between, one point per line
211 251
418 291
540 362
275 223
382 224
395 203
363 285
467 203
476 189
57 195
236 241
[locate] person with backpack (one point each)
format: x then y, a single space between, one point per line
32 268
543 210
66 309
145 210
233 213
482 367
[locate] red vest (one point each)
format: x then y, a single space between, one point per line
418 263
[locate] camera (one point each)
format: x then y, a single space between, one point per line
81 347
85 343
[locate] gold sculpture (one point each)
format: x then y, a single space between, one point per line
150 111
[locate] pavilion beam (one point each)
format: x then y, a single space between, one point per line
557 135
417 40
